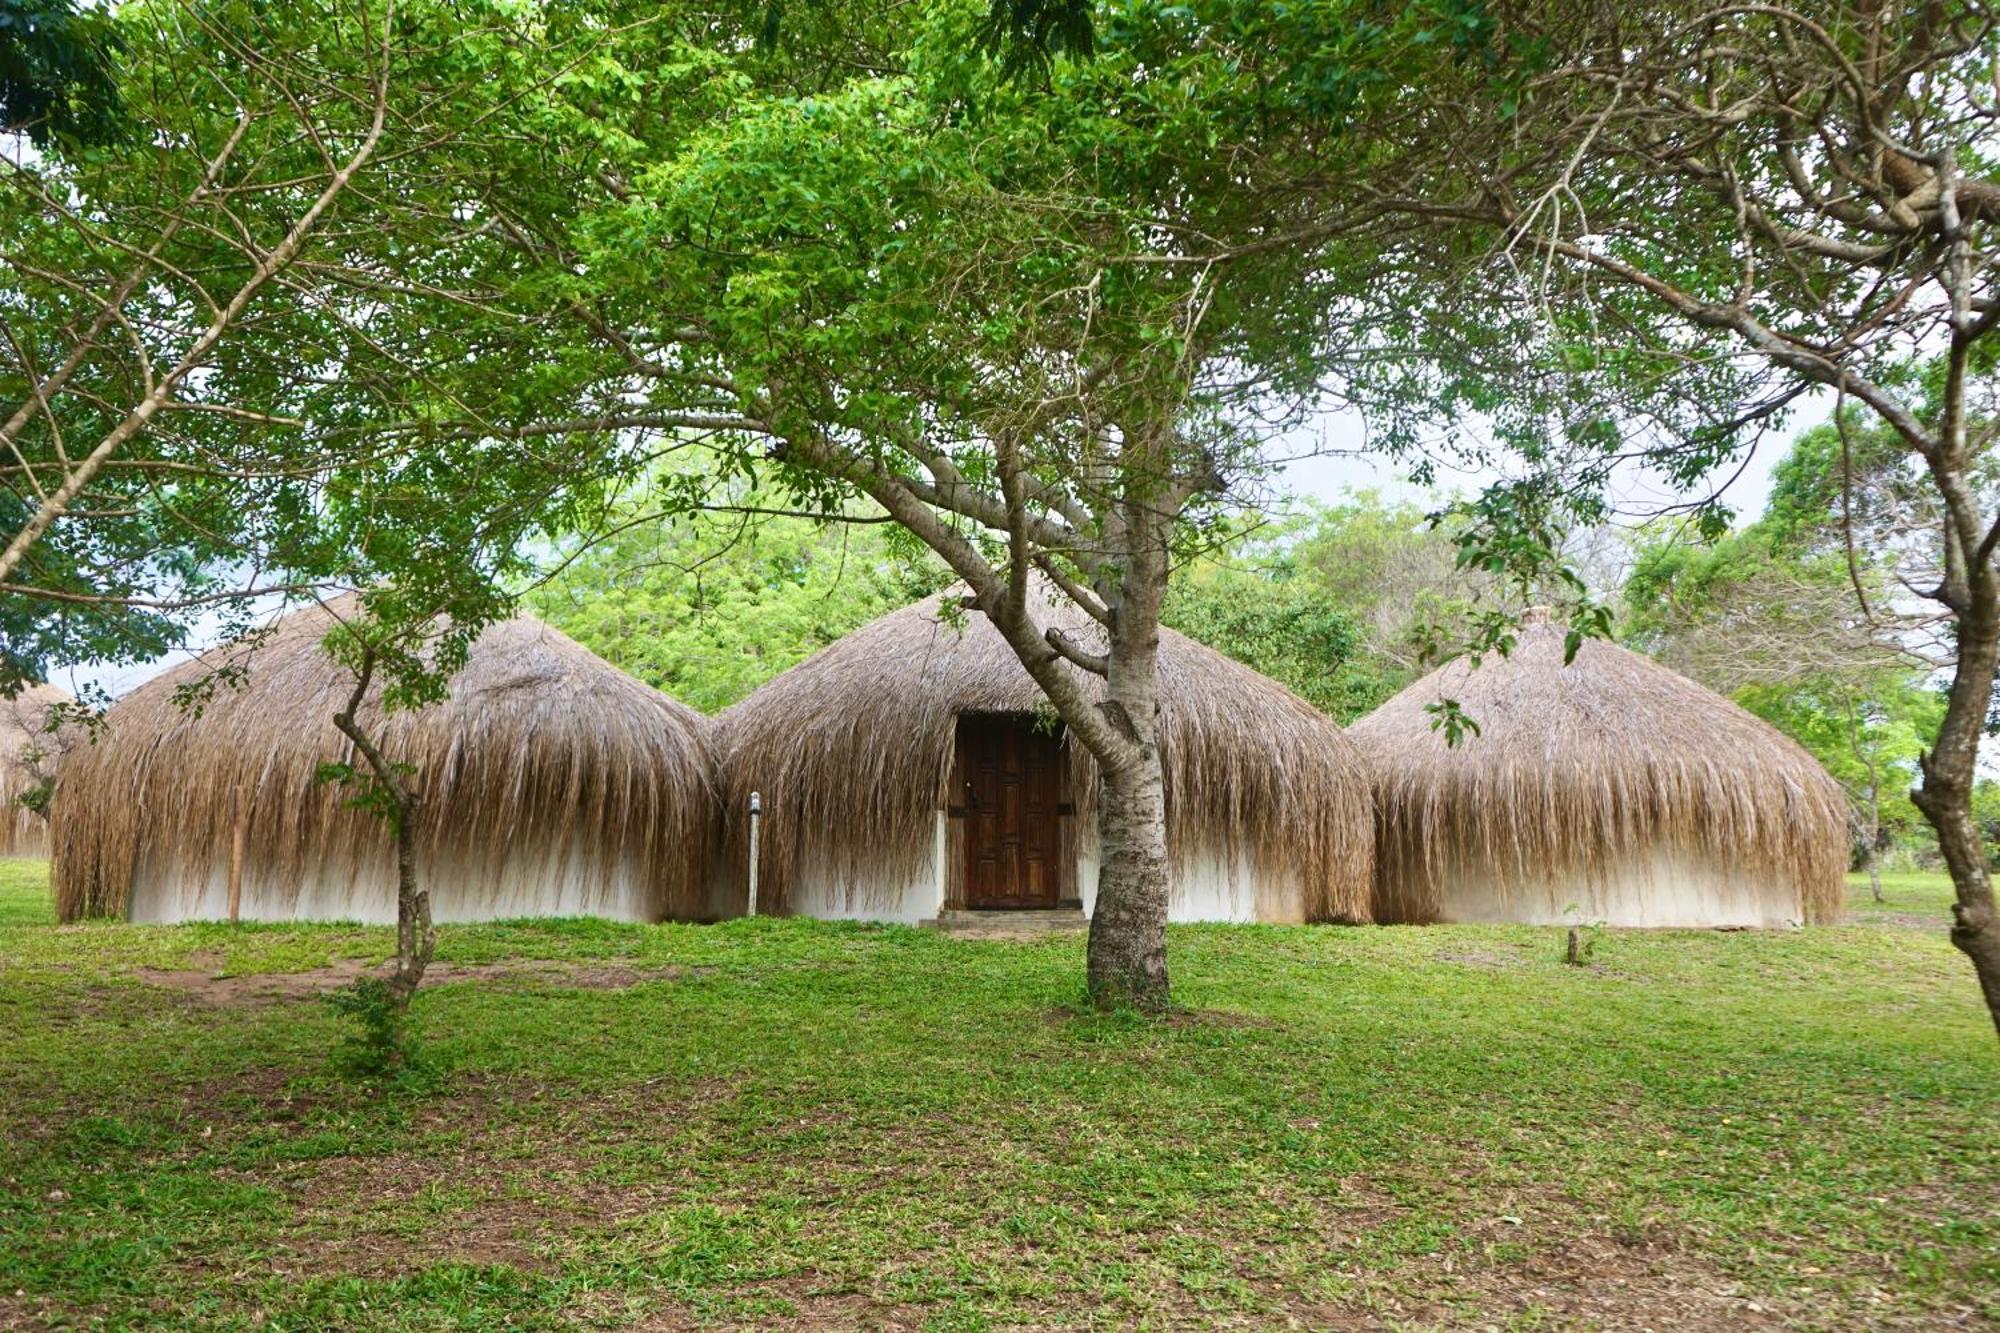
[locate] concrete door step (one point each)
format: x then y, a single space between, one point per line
1009 924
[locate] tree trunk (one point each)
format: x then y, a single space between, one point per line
1128 926
1871 829
1872 851
1945 797
416 936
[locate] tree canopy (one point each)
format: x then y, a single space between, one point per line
57 72
709 609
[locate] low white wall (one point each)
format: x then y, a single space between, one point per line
837 894
1666 889
525 886
831 900
1211 884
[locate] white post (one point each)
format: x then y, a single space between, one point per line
756 811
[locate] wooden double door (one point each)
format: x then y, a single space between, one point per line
1013 788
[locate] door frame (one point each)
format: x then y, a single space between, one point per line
956 843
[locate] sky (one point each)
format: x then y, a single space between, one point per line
1331 460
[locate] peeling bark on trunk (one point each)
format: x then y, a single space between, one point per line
1128 928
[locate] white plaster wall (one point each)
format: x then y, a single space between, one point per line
1664 889
1212 884
829 899
550 885
831 894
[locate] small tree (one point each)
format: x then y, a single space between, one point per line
385 791
1870 736
418 655
1395 568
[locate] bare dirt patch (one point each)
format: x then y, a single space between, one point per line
263 988
527 1171
1929 923
223 990
812 1305
796 1303
392 1215
1588 1279
1484 959
1215 1018
1536 1257
22 1309
1176 1017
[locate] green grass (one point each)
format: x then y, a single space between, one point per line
1920 900
816 1125
24 894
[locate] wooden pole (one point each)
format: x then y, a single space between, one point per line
236 840
756 812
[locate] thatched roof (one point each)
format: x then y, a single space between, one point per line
540 745
853 747
1577 768
24 727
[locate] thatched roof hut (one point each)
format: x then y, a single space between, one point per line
550 784
28 750
894 760
1606 790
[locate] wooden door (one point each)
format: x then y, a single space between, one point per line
1012 778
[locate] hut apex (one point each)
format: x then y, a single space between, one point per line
549 784
1608 789
913 767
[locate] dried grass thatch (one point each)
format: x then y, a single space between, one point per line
24 730
550 782
1579 772
852 750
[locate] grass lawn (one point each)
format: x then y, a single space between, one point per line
1919 901
793 1124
